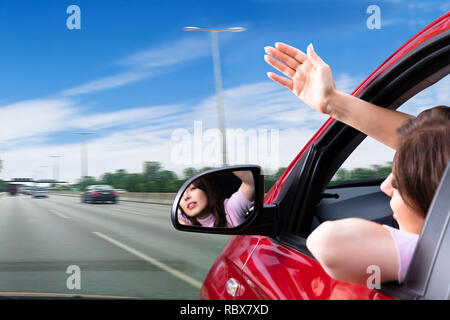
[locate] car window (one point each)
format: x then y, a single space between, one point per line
372 159
103 188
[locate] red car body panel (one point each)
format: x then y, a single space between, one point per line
268 270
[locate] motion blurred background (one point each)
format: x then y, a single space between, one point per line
129 100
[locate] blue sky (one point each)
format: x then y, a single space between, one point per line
134 77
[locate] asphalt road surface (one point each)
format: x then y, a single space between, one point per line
126 249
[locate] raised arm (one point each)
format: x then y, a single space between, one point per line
310 78
248 185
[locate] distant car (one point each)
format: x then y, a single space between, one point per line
40 193
12 189
120 190
99 193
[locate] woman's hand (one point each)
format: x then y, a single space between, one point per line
310 77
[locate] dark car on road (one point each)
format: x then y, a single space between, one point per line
12 189
40 193
99 193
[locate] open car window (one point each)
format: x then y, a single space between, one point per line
372 159
354 189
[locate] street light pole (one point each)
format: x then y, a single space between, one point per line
219 100
218 80
56 167
84 153
45 173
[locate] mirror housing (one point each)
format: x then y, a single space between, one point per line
259 220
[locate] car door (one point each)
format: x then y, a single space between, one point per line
280 266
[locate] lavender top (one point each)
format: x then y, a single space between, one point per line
235 208
405 243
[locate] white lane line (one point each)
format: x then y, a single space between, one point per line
195 283
58 214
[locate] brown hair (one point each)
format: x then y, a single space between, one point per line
422 157
215 204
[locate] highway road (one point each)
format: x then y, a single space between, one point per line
126 249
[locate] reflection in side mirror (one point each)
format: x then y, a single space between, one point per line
221 199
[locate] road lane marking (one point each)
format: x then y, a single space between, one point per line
58 214
195 283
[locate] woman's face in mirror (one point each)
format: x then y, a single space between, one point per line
193 201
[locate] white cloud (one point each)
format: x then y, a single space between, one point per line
347 83
437 94
369 152
110 82
262 104
130 116
147 63
143 134
176 52
34 117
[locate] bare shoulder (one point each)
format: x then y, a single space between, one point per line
350 228
346 247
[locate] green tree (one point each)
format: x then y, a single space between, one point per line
270 179
87 181
151 170
374 172
189 172
342 174
131 181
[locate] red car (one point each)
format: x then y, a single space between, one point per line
267 257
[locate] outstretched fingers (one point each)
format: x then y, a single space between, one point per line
280 66
281 80
294 64
277 54
292 52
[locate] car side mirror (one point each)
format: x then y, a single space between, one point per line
225 200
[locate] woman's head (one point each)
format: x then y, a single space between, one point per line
200 201
418 166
